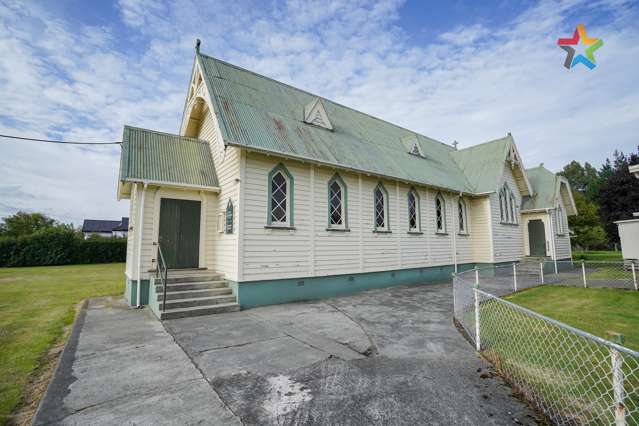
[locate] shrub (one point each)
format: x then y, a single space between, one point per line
59 247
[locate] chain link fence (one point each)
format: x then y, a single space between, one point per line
573 377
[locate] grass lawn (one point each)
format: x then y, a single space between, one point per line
597 255
572 374
35 306
595 310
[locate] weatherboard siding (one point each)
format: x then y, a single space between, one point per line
312 250
508 239
223 258
562 242
132 235
480 226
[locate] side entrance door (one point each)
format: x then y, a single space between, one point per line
537 237
180 233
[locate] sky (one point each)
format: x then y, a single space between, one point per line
461 71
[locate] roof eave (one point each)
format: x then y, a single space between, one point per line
176 185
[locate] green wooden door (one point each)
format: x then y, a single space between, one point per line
180 233
537 237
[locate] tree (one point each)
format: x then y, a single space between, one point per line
586 226
584 179
619 192
23 223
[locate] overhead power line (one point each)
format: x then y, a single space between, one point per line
59 142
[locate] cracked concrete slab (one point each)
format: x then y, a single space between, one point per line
121 366
388 356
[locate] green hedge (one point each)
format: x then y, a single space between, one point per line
60 247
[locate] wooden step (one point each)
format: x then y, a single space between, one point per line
198 301
199 310
192 294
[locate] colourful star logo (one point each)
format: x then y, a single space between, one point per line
592 43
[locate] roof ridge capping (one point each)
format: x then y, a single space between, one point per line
321 98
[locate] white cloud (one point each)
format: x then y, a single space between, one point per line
471 84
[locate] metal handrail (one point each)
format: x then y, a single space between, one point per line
162 272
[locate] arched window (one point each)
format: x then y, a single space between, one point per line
507 205
229 217
462 216
337 203
280 197
380 204
560 220
414 219
440 214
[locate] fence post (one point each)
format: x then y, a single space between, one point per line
476 277
556 272
634 275
617 383
515 276
583 273
541 271
477 335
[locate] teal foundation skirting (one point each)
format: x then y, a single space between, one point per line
270 292
131 292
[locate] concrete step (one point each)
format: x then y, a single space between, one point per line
199 310
198 301
190 278
192 294
197 285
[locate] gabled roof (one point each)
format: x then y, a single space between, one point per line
483 164
547 187
155 157
261 114
123 225
94 225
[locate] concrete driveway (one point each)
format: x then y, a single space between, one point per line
389 356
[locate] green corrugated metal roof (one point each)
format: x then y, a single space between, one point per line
483 164
544 184
162 157
259 113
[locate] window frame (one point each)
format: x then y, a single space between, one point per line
418 215
508 206
228 228
441 211
344 207
290 191
559 220
386 228
462 212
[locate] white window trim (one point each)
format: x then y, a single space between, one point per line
287 222
462 208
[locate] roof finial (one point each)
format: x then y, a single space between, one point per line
541 164
509 134
197 45
455 143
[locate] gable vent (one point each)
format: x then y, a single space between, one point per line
315 114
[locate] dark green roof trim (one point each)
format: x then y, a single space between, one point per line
156 157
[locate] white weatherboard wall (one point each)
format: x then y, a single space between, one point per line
561 241
508 239
311 250
130 242
480 230
223 257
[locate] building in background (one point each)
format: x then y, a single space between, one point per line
629 231
106 228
